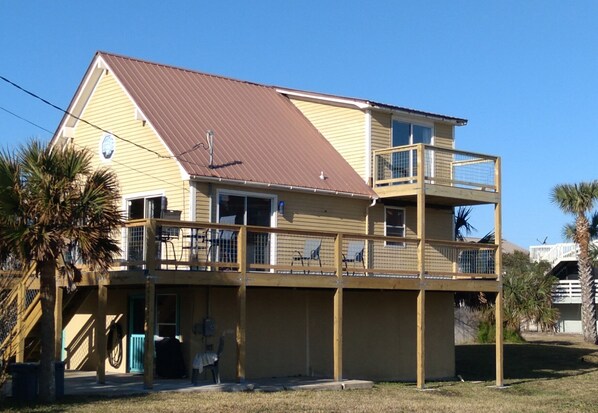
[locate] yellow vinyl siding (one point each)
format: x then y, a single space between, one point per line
343 127
443 138
443 135
321 212
139 171
202 203
303 211
381 128
438 226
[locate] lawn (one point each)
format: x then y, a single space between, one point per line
546 374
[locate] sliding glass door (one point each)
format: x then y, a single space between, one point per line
252 210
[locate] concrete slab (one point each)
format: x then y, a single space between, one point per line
83 383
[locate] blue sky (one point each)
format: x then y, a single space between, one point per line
525 73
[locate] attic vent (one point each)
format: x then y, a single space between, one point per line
140 116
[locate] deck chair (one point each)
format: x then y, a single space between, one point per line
208 361
214 366
311 251
224 241
354 255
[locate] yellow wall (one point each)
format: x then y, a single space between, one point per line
289 331
80 331
443 135
438 221
343 127
303 210
139 171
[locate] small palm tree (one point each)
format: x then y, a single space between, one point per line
579 200
463 227
50 201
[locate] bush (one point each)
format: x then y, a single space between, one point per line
487 334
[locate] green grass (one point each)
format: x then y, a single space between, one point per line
546 374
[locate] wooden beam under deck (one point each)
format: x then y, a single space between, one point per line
268 279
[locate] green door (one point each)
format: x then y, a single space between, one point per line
136 333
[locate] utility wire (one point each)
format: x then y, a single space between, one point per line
135 169
26 120
195 147
81 119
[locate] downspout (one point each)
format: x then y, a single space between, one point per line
368 146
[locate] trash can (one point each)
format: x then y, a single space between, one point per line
59 378
24 381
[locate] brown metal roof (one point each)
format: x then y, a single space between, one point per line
260 136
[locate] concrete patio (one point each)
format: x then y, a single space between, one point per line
83 383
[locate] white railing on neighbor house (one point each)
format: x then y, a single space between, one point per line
569 292
555 253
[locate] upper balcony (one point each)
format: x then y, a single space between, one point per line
447 176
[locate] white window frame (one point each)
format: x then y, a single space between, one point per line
397 244
176 315
125 207
429 173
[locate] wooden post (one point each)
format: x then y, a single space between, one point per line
149 326
150 304
498 271
100 342
421 339
20 342
421 260
242 304
58 324
338 311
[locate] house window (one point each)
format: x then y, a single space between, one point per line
404 133
394 224
166 315
404 164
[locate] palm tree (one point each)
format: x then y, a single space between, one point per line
50 202
569 234
579 200
463 227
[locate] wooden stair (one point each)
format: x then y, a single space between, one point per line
21 324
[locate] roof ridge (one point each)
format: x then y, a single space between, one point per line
283 88
183 69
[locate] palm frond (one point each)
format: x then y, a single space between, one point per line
463 227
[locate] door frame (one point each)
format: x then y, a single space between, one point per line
273 212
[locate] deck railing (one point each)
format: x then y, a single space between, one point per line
196 246
569 292
448 167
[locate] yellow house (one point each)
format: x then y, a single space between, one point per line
314 232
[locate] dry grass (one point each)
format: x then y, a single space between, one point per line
547 374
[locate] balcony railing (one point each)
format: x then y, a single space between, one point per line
441 166
569 292
195 246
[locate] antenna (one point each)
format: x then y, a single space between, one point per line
210 139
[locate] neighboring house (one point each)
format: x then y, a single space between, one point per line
567 294
314 231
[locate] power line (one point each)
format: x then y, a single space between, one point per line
81 119
193 148
136 170
26 120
